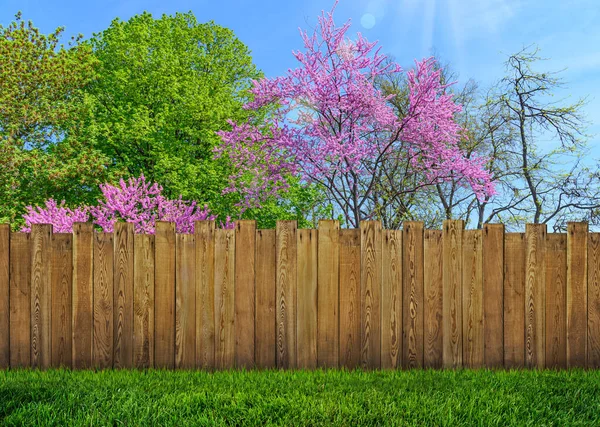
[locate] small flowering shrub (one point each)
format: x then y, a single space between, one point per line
135 201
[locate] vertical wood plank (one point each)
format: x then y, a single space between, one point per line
41 333
205 294
514 300
370 293
286 293
328 294
224 298
391 300
245 246
472 295
164 295
20 305
265 322
123 295
61 279
102 353
349 296
452 293
413 295
593 321
535 286
577 310
83 319
143 301
4 295
493 294
433 291
185 302
307 298
556 300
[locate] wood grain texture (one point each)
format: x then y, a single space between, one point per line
4 296
102 353
493 294
472 295
41 332
593 316
20 305
328 294
556 300
265 347
306 332
83 319
224 298
370 294
413 282
245 249
349 347
452 293
164 295
205 294
185 302
286 293
143 301
391 300
61 284
577 308
433 292
123 295
514 300
535 287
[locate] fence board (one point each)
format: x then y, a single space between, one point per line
245 243
413 293
224 298
41 333
102 353
349 295
577 294
123 295
83 319
143 301
286 293
593 293
452 293
514 300
307 299
205 294
556 300
433 291
391 300
61 283
4 296
185 301
164 295
265 322
493 294
20 305
535 268
328 294
370 294
472 295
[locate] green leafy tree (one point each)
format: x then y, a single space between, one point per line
42 150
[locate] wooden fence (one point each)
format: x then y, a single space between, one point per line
299 298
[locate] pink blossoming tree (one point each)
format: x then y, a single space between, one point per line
135 201
334 128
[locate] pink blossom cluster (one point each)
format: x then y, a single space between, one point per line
331 120
135 201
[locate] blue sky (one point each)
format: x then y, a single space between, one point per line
475 36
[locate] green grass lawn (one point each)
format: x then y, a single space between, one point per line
451 398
